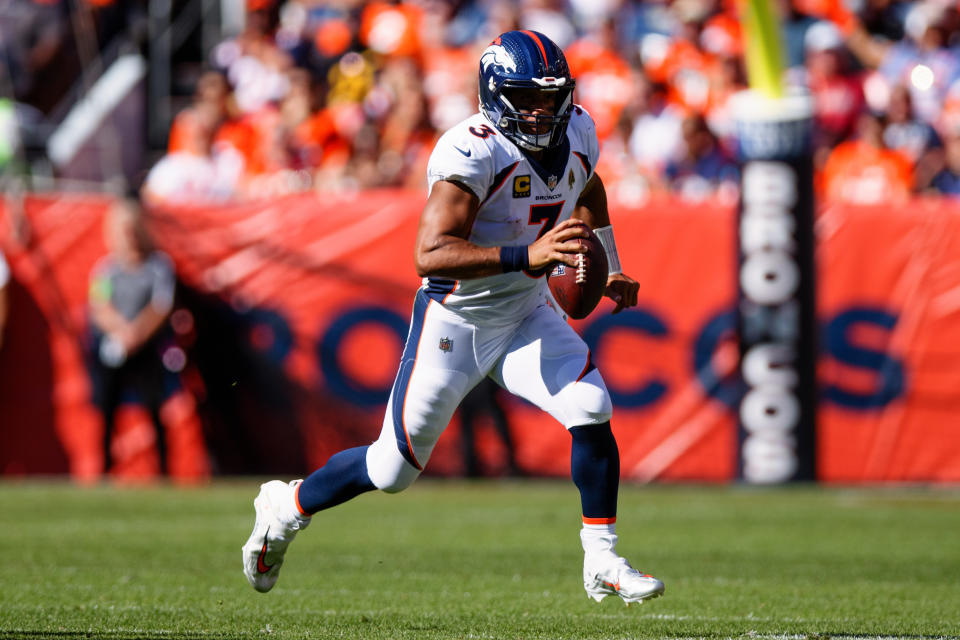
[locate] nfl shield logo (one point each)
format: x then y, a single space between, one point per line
552 182
446 345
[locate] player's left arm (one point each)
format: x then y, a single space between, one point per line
592 209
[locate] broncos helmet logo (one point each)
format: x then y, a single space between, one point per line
498 56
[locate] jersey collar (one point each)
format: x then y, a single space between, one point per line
552 165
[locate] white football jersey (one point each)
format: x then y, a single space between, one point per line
520 200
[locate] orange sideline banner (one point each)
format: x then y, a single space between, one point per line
293 314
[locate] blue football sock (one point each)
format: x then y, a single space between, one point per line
342 478
595 468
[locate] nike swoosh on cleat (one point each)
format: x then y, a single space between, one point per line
466 153
262 566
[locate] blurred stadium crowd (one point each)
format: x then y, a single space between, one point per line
347 95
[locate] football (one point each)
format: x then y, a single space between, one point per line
578 290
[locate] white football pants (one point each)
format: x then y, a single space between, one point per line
540 359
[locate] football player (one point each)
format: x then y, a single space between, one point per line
512 188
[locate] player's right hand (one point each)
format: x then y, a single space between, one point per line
558 245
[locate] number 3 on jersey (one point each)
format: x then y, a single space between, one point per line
545 215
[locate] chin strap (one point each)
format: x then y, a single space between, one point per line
605 235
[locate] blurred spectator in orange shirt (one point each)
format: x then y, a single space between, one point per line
683 65
603 76
836 87
299 145
311 135
273 158
211 103
449 71
198 169
392 28
865 171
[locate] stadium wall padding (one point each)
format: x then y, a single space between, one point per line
293 312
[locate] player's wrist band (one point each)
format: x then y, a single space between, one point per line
605 235
514 258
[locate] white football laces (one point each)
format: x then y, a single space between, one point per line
581 269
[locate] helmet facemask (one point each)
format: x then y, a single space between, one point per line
540 131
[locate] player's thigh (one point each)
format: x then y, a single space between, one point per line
548 364
436 371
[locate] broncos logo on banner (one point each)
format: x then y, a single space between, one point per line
498 56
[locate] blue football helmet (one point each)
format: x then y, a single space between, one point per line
521 68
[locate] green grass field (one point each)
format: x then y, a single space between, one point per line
450 559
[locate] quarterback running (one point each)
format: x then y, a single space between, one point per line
512 190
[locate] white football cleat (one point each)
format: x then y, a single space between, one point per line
273 531
610 575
